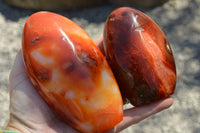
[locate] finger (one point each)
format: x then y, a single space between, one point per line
136 114
18 62
99 43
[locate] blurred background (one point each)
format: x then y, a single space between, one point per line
179 19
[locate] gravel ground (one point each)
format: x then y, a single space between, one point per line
179 19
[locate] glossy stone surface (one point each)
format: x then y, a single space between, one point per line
140 56
71 73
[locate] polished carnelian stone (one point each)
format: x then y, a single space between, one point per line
71 73
140 56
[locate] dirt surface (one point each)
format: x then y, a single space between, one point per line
179 19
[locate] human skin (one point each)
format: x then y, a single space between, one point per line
29 113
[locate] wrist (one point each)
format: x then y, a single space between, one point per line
8 131
9 128
14 125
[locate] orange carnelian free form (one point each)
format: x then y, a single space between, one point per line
140 56
70 72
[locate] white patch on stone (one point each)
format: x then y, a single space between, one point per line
105 75
55 74
42 59
98 101
86 126
105 63
66 65
83 101
115 88
55 47
69 95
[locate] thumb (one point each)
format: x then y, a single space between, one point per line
25 101
18 72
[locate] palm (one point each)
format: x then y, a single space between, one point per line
28 107
31 111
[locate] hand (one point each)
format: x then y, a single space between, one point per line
29 113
